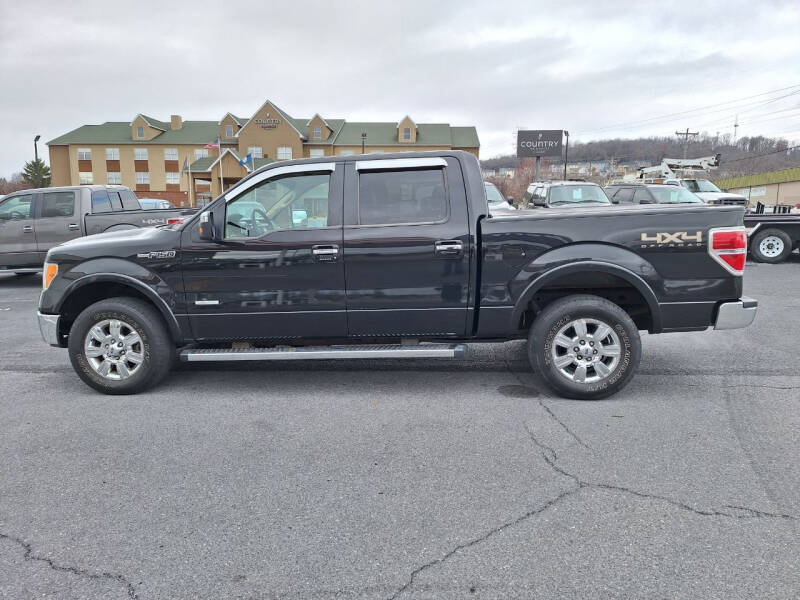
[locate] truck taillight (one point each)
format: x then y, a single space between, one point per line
728 246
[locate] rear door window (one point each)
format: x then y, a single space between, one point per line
129 201
394 197
100 202
58 204
116 202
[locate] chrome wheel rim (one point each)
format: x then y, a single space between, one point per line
585 351
114 349
771 246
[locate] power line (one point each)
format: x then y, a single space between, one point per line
628 124
726 162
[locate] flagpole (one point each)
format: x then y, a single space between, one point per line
221 179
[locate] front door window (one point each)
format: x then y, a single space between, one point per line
293 202
16 209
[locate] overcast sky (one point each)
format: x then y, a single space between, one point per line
597 69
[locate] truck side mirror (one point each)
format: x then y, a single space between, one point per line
510 200
206 230
539 201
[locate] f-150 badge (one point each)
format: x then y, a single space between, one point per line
158 254
676 239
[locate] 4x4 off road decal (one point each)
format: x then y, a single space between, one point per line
678 239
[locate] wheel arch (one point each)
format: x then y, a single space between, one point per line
589 267
98 286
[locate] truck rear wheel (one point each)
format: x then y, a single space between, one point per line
120 346
771 246
584 347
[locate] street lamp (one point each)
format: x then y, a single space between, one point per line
35 147
566 154
363 140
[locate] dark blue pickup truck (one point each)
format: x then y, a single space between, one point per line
392 256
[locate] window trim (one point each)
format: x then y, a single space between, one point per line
167 176
136 180
84 151
140 132
90 174
115 182
177 154
251 182
114 151
252 151
448 212
317 132
225 132
146 153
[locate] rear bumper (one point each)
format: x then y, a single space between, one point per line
48 327
736 315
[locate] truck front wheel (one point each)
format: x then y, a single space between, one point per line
584 347
120 346
771 246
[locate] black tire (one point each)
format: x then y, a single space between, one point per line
623 335
155 347
772 238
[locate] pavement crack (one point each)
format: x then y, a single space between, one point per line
29 554
550 411
550 456
516 521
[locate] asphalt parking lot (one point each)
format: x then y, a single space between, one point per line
412 479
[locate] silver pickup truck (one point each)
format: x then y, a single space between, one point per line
33 221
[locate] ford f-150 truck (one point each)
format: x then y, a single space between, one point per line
33 221
391 256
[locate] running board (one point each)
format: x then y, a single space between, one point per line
326 352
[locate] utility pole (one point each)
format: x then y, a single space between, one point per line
685 135
363 141
735 129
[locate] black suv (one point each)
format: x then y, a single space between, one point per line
637 193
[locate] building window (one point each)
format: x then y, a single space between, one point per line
114 178
200 153
142 178
170 154
173 178
112 153
140 132
316 153
284 152
346 153
140 153
228 131
255 151
84 154
85 178
317 132
406 134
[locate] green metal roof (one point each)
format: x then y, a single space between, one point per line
781 176
428 134
465 137
155 123
202 165
116 132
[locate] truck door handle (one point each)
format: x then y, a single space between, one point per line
325 253
448 248
27 228
73 227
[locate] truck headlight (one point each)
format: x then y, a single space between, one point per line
49 273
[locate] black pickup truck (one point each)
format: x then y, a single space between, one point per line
392 256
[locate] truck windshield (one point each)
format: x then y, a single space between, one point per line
700 185
671 194
578 194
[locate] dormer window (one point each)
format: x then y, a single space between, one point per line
228 131
406 134
317 134
140 132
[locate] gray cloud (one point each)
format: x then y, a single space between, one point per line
580 66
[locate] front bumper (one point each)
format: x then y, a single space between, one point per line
736 315
48 326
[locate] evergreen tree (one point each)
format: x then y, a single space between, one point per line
36 173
